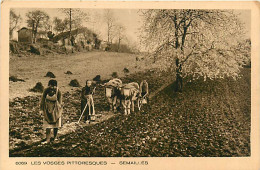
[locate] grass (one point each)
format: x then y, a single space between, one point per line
83 66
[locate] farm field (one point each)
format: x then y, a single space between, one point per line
82 65
211 118
25 120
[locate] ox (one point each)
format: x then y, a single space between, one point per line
129 93
112 91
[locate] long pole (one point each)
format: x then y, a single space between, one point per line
85 107
83 112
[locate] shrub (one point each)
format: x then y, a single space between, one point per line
74 83
37 88
114 75
50 74
15 79
126 70
97 78
68 72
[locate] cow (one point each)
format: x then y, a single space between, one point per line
129 94
112 91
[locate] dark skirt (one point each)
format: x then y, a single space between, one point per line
90 110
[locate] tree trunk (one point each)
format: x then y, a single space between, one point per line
35 32
108 34
34 38
179 83
33 27
176 34
10 34
183 37
118 49
70 27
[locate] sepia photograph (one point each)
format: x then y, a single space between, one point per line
129 82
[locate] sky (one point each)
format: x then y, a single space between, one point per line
129 18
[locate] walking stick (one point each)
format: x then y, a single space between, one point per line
85 107
83 112
93 108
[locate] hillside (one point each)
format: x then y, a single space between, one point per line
211 118
83 65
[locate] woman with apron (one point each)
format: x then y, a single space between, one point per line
51 109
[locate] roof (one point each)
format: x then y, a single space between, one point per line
65 35
42 32
24 28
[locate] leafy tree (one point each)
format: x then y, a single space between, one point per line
37 19
97 41
50 35
203 41
243 49
60 25
15 20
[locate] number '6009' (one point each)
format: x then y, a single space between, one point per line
20 163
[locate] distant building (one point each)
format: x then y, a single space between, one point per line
41 34
103 45
25 35
81 36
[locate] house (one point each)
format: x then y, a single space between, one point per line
81 36
25 35
104 45
42 34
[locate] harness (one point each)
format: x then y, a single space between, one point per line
110 91
111 87
128 91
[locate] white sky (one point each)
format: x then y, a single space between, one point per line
129 18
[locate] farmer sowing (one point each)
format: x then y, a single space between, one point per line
87 102
51 109
144 89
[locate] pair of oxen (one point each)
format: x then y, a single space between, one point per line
118 93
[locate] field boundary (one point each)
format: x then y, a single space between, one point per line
160 89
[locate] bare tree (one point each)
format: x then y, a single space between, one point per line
47 26
110 22
36 19
120 34
15 20
75 17
60 25
200 43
